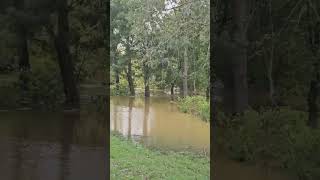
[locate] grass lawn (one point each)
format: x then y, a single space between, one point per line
133 161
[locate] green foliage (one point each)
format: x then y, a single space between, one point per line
280 136
196 105
123 88
42 86
154 38
133 161
283 59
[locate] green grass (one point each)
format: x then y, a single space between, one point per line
133 161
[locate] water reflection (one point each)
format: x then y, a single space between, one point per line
146 116
52 146
130 104
156 122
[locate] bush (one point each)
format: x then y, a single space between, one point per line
196 105
42 86
123 88
280 136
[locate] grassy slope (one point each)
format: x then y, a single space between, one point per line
130 161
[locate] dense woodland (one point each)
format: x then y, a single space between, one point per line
264 64
48 48
266 60
160 45
271 49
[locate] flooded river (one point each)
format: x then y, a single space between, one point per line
71 146
157 123
52 146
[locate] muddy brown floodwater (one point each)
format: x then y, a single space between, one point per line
52 146
156 122
227 169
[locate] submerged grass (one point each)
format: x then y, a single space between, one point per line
133 161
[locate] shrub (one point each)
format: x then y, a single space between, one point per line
196 105
42 86
280 136
123 88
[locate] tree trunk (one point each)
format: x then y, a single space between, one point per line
185 73
117 82
312 102
312 35
181 89
64 57
130 78
22 35
270 68
146 82
270 79
240 86
147 90
24 65
172 91
23 53
117 76
240 91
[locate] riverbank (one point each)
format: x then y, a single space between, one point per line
277 138
133 161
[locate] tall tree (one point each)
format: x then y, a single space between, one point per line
22 34
231 49
313 43
61 42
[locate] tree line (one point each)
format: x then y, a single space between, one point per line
266 53
67 33
164 44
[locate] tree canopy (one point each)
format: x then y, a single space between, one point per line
163 44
